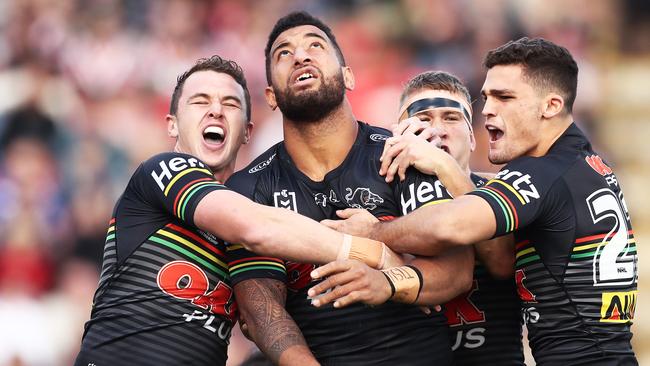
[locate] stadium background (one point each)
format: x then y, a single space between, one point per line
85 86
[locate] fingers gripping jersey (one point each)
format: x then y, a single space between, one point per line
164 296
576 268
484 323
389 334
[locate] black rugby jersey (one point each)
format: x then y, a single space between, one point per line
576 268
164 296
388 334
485 322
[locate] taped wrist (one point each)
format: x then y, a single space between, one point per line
406 283
371 252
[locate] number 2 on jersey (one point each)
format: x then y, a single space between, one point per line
613 264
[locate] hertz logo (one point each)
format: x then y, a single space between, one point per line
618 307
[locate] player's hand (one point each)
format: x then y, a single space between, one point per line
244 328
356 221
407 150
350 281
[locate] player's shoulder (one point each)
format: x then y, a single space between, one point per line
163 167
173 162
246 179
533 174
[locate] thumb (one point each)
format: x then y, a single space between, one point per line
348 212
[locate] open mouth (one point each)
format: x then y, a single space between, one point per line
214 135
445 148
495 133
304 76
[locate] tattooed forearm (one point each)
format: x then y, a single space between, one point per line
261 303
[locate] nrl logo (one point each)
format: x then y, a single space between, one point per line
261 165
284 199
378 137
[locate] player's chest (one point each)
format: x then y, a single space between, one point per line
356 188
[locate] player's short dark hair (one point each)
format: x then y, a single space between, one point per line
545 64
293 20
435 80
216 64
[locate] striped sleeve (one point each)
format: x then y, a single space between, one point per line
516 195
244 265
176 183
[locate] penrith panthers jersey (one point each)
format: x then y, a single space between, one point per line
388 334
164 295
576 267
485 322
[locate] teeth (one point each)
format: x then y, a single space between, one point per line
304 76
214 129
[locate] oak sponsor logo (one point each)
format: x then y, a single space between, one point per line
285 199
618 307
262 165
174 165
425 192
521 185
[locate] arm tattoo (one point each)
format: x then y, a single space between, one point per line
261 302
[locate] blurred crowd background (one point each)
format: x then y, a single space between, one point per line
85 86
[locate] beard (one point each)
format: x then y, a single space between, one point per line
312 105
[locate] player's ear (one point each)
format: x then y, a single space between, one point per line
269 94
472 141
248 131
172 126
348 77
553 105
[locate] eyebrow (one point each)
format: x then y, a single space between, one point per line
496 92
206 96
198 95
307 35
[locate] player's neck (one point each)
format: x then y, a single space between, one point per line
321 146
222 174
555 129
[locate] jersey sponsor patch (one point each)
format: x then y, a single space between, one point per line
262 165
618 307
169 171
378 137
522 186
425 192
462 309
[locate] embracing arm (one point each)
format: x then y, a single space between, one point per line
430 230
261 304
498 256
445 276
283 233
441 279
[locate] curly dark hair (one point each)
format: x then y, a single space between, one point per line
546 65
293 20
217 64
